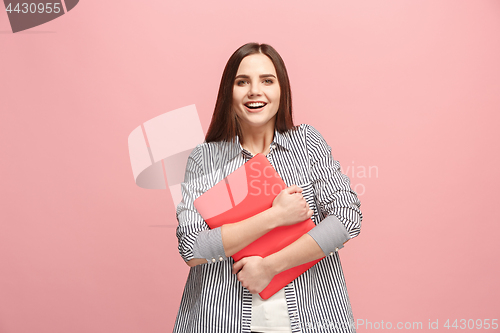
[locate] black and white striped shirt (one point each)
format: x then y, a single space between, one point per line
317 301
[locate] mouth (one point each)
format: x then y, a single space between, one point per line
255 106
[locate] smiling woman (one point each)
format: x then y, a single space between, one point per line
253 114
225 125
256 97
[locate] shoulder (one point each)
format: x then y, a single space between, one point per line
202 163
307 132
306 138
303 135
316 144
310 130
303 129
204 149
210 158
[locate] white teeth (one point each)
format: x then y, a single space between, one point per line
255 105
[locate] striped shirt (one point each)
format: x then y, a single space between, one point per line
317 301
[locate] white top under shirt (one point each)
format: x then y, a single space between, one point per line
270 315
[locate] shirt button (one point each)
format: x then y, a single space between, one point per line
331 253
220 258
336 249
273 146
213 259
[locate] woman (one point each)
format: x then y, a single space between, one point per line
253 114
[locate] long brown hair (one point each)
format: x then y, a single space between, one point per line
224 125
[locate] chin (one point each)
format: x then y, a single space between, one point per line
257 123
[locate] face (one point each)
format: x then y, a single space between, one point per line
256 92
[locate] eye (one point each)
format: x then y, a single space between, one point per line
241 82
268 81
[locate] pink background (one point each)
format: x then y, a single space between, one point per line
409 88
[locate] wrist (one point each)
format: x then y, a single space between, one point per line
275 217
274 264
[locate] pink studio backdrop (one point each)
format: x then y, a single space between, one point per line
407 93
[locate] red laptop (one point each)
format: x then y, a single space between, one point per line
246 192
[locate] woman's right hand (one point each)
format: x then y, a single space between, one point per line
291 206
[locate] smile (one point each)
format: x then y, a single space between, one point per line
255 105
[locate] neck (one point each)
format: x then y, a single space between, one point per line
257 140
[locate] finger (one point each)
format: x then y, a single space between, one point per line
293 189
237 266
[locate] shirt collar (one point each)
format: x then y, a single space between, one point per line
231 150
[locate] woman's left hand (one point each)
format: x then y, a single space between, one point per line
255 273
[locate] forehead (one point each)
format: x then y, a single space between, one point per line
256 64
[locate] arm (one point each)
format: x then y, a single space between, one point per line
231 238
289 207
343 220
200 245
336 200
255 273
191 223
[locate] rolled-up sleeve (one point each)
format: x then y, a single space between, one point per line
195 238
336 200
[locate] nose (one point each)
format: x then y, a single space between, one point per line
254 89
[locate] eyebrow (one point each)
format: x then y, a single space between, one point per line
244 76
